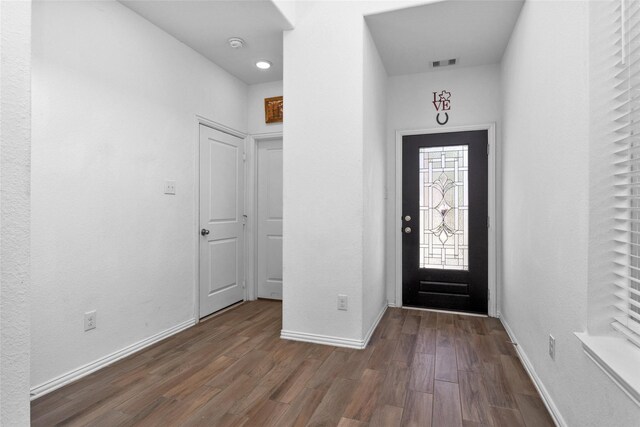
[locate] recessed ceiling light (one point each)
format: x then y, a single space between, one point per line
263 65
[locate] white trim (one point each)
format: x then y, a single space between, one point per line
322 339
76 374
203 121
618 359
492 306
267 135
219 126
196 221
335 341
251 209
528 366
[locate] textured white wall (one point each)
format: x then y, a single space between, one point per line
545 209
114 114
475 95
15 127
255 116
374 149
323 169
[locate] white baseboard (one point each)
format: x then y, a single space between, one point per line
76 374
321 339
335 341
542 390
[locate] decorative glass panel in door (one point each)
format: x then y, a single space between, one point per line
444 207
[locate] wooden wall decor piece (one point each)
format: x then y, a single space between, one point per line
273 109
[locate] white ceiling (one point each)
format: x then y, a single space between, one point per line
476 32
205 26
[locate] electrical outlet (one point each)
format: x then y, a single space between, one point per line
552 347
90 320
169 187
343 302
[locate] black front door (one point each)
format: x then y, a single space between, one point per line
445 221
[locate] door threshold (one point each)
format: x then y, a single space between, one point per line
435 310
221 311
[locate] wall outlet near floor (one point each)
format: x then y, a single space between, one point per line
552 347
169 187
90 320
343 302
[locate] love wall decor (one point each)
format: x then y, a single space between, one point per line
442 103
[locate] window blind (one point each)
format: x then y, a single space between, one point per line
625 140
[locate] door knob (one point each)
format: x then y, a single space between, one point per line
407 230
204 231
407 218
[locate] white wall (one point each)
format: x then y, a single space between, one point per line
374 149
255 117
545 209
288 9
475 99
15 127
114 115
323 170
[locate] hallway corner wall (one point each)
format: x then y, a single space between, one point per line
15 205
475 99
115 101
546 210
323 172
374 297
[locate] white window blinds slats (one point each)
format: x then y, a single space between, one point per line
625 287
626 309
631 335
625 144
627 280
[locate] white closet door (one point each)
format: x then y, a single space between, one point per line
221 220
270 219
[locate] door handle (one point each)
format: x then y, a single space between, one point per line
407 230
204 231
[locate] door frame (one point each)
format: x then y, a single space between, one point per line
492 306
251 208
203 121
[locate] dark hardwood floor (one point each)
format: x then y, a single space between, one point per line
420 369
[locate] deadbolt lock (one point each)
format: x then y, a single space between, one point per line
407 218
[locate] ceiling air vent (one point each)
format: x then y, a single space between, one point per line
444 63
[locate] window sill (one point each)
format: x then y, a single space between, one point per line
618 358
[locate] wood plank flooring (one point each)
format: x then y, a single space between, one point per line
420 369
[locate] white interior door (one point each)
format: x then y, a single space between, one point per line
270 219
221 220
